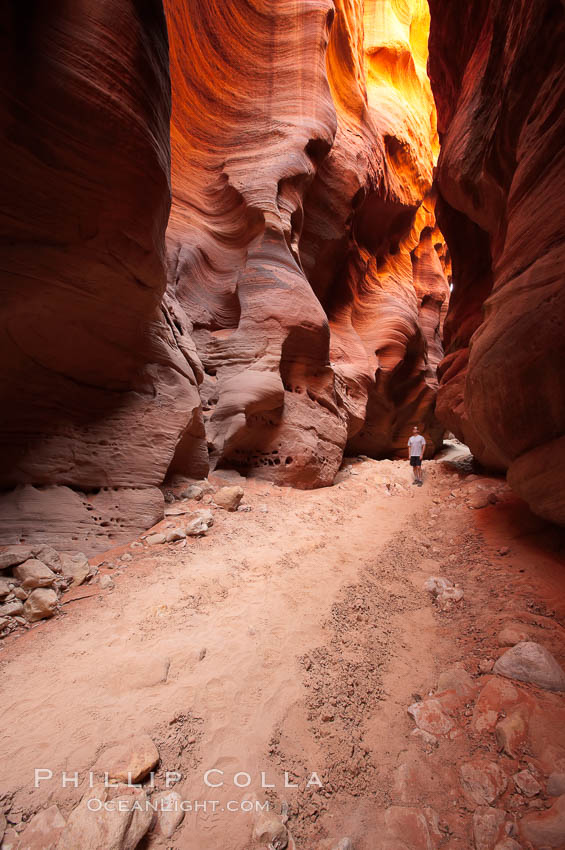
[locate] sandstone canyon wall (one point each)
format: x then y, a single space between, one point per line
305 276
497 71
303 255
96 393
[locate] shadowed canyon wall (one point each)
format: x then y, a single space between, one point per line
305 277
303 255
95 390
497 71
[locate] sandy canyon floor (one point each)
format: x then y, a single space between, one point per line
292 639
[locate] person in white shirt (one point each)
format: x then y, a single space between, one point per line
416 448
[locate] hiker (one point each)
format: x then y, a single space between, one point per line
416 448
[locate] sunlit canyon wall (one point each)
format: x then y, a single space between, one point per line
304 260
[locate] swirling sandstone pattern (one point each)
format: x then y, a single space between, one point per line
497 74
305 275
95 391
303 255
370 246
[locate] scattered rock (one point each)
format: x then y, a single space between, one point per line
75 567
479 501
487 827
206 486
528 661
14 555
429 740
443 591
106 583
126 557
508 844
12 609
244 508
407 826
526 783
34 573
504 550
49 556
6 586
269 830
154 539
175 534
194 492
196 527
546 829
207 515
40 604
228 498
495 697
43 831
430 716
483 781
169 812
510 635
411 777
118 826
177 510
485 665
130 761
512 732
556 784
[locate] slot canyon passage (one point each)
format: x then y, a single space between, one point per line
246 247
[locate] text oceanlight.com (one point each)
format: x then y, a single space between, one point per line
95 804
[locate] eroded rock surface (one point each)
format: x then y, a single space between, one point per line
304 261
95 391
497 75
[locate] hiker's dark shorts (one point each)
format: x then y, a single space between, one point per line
415 460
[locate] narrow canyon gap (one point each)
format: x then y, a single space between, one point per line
293 310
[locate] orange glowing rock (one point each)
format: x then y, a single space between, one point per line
303 255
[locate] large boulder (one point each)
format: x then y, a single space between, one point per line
528 661
40 604
34 573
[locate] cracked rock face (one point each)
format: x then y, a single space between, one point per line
501 207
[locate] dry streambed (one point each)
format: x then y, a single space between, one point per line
387 662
